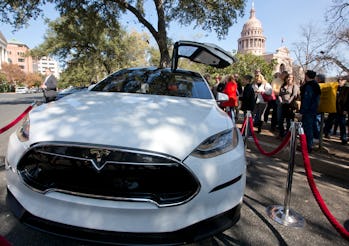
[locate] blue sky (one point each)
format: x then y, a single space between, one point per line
280 19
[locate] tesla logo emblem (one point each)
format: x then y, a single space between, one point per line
99 157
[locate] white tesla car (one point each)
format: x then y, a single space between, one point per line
144 157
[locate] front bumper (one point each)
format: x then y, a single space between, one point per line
213 209
195 232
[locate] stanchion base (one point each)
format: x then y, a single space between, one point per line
278 214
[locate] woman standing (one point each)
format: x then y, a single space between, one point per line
248 101
230 89
263 91
288 93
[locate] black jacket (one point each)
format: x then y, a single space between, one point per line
248 98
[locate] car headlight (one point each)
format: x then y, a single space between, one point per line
217 144
23 131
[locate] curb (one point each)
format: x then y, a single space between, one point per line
328 165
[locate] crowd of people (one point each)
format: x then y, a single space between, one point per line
286 101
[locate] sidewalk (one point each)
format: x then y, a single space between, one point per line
331 160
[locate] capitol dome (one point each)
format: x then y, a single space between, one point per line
253 22
252 39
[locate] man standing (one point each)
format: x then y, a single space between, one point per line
342 110
319 78
49 86
310 98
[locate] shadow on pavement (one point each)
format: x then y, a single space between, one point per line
264 220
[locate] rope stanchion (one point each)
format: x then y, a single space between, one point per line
284 214
14 122
340 229
278 149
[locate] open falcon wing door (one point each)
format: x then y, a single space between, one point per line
209 54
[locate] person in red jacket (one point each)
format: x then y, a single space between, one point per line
231 90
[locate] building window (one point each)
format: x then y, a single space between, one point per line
20 60
282 67
21 66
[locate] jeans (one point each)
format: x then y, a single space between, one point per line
259 111
316 126
278 113
331 119
288 115
274 117
342 127
308 121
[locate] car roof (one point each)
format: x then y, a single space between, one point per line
167 70
205 53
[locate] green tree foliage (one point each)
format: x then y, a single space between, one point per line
77 75
211 15
4 86
92 48
246 64
83 37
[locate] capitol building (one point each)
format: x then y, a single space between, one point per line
253 41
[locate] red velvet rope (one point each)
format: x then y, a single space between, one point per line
4 242
344 233
21 116
243 126
280 147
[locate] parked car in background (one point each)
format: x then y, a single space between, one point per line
34 90
22 90
145 156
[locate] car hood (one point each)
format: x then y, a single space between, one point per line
170 125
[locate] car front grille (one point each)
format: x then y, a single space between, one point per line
107 173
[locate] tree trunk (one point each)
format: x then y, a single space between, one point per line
164 53
161 38
159 35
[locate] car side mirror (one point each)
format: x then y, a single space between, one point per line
222 97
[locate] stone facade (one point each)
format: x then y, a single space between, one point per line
17 54
253 41
3 49
283 59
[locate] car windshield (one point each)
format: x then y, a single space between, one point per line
156 82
